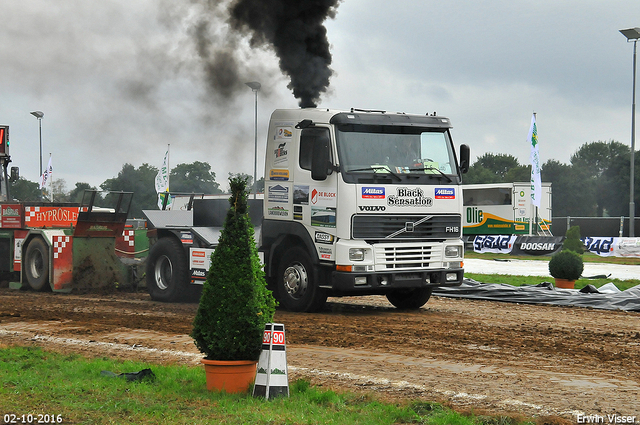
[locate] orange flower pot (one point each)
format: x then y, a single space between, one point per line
230 376
565 283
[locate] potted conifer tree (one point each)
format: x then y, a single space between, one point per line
235 304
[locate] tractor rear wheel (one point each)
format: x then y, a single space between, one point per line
36 265
167 271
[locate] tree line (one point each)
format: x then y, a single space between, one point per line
196 177
595 183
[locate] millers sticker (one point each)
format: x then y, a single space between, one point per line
406 197
373 192
445 193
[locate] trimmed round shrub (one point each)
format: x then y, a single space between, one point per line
566 265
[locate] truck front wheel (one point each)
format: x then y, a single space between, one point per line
409 299
167 271
297 289
36 265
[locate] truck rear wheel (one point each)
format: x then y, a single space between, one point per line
36 265
409 299
167 271
296 287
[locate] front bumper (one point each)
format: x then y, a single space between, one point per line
380 283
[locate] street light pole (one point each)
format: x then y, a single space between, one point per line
39 115
255 86
632 34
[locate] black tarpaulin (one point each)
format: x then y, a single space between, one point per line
545 293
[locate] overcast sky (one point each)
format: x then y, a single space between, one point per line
119 80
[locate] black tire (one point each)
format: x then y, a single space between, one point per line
296 286
167 271
36 265
409 299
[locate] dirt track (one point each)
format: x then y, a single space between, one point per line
497 357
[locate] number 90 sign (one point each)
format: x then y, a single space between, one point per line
278 337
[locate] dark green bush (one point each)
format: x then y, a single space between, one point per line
572 240
566 264
235 303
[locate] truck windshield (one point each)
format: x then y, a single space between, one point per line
396 151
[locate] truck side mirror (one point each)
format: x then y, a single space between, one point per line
464 158
320 166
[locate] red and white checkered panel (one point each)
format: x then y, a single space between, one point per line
59 244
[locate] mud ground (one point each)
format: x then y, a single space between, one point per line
489 357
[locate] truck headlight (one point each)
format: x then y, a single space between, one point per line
356 254
453 251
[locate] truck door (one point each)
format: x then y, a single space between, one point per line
316 161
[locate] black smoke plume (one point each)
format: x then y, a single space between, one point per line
295 30
292 28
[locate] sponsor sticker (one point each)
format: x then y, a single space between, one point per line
322 237
280 154
276 174
278 193
323 217
323 198
283 133
373 192
325 253
278 212
445 193
301 194
199 263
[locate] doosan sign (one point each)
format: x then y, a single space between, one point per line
537 245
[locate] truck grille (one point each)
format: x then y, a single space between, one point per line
399 257
398 227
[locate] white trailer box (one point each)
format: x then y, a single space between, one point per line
504 209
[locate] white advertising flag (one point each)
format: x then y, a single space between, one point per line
46 175
162 178
536 182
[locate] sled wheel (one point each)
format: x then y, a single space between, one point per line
409 299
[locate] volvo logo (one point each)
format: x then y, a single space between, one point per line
409 226
372 207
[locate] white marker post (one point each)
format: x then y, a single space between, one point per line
271 375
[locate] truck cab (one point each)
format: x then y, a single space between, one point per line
360 203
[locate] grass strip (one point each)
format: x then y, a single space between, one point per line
54 387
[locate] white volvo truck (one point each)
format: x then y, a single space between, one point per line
356 203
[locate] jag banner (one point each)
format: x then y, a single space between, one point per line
609 246
497 244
